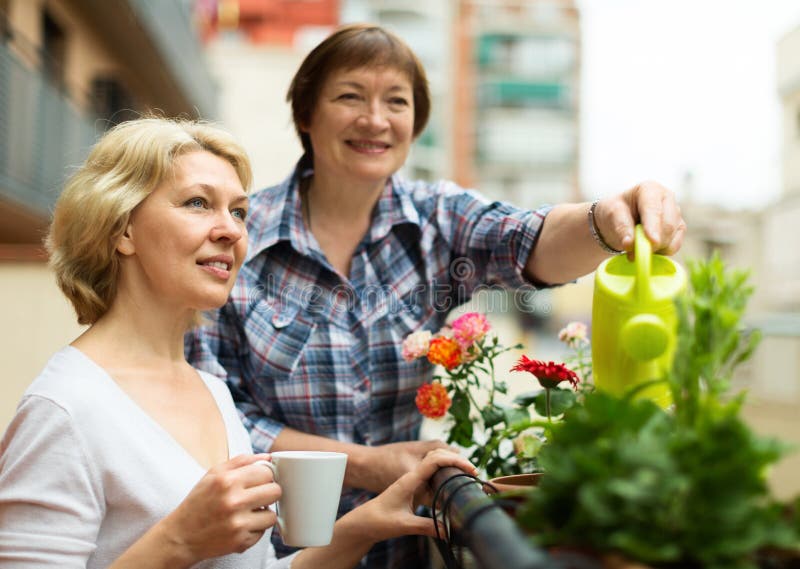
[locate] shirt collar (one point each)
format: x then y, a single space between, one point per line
394 207
277 214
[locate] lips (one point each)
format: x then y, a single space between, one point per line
368 146
219 265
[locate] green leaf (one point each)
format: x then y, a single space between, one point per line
492 415
526 399
459 409
516 417
560 401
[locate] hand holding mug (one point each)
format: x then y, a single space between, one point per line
226 511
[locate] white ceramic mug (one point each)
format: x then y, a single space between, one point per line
311 484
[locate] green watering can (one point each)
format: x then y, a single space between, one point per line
634 322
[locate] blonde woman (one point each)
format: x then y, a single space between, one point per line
121 454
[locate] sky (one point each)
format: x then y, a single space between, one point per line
683 92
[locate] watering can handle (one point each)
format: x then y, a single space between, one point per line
643 253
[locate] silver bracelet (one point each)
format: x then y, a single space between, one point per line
596 232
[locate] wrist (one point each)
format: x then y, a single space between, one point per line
595 231
358 460
359 526
158 548
176 551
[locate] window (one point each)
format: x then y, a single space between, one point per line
111 101
54 48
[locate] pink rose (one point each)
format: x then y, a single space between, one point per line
470 328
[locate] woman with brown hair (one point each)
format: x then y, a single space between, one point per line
347 257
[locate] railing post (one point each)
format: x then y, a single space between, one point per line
480 525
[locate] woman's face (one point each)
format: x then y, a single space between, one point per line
362 127
187 240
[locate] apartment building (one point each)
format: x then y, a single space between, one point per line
69 69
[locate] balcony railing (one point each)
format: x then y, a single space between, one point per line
41 134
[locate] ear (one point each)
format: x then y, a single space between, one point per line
125 244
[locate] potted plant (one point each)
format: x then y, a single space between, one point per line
503 439
682 487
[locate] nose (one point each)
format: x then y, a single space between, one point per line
227 228
374 117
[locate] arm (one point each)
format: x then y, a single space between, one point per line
222 514
389 515
566 249
52 502
370 468
51 499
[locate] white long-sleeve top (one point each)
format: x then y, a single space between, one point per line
84 472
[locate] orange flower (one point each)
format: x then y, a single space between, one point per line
432 400
444 352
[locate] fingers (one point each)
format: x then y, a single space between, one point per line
614 218
241 460
262 496
439 458
660 217
650 204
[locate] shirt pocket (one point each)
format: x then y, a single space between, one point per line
280 343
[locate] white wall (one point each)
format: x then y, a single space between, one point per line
37 320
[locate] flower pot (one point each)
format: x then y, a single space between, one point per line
518 483
512 490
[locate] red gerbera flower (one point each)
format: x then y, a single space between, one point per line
432 400
549 374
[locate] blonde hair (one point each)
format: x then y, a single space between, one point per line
92 212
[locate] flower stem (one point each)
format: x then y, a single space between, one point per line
547 404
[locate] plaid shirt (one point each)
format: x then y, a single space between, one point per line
303 346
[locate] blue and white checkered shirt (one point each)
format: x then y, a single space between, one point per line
305 347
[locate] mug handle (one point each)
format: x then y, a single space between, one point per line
274 468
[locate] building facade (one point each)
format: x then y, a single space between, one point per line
69 69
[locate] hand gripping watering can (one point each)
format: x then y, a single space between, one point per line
634 322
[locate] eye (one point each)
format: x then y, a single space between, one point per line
348 97
399 101
239 212
196 203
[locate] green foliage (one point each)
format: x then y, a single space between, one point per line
679 488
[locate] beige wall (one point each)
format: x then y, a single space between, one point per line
252 89
788 78
36 321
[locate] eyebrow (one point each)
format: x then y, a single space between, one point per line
357 85
210 188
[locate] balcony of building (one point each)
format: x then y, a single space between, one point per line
68 71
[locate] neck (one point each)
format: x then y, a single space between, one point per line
328 199
136 334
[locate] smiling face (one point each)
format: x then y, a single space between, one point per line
362 127
187 240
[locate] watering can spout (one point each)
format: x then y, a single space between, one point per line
634 321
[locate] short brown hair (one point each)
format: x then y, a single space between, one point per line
92 212
349 47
